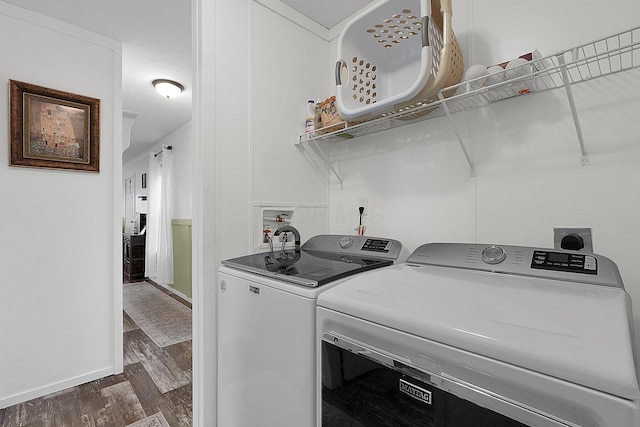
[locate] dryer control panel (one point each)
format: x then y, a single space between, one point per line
564 261
570 266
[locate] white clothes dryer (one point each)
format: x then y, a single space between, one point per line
481 335
266 324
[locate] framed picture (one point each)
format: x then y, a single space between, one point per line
53 129
144 180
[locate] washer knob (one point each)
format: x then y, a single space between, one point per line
493 255
345 242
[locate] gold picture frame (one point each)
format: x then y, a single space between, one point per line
53 129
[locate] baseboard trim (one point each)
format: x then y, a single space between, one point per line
53 388
177 292
170 289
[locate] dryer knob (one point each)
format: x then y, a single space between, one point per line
345 242
493 255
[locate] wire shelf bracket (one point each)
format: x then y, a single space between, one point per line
472 169
584 158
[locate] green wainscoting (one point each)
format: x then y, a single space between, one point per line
181 233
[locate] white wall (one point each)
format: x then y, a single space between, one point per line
287 63
528 173
180 140
221 210
262 68
59 253
288 69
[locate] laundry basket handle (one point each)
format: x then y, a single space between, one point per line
425 31
445 6
339 72
445 12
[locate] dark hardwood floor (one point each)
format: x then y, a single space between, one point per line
154 380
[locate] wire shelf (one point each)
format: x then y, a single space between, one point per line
606 56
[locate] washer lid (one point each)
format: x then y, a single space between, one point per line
305 267
572 331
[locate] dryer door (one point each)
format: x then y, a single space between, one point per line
364 388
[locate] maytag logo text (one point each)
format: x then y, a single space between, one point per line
415 392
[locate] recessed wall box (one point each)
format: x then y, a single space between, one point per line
272 219
578 239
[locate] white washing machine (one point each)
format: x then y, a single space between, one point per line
477 335
267 318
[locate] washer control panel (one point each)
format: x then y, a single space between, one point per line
563 261
377 245
360 246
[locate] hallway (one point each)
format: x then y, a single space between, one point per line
155 380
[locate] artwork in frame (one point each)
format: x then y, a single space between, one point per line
53 129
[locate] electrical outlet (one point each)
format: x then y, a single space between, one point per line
363 201
579 236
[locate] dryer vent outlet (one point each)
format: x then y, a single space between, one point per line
575 239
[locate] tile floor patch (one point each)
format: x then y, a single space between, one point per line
155 420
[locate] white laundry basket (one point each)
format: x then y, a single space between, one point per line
388 63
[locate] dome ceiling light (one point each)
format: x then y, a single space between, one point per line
168 88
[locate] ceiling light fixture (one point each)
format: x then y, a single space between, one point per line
168 88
